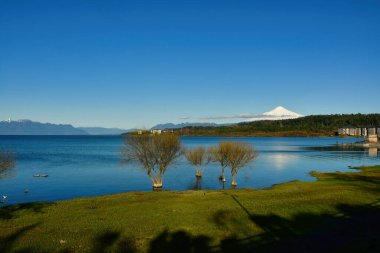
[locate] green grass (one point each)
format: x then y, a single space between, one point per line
338 213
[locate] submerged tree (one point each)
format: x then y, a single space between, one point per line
219 153
198 157
239 155
154 153
6 162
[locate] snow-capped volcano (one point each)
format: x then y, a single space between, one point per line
276 114
280 111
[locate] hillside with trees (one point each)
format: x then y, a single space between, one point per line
314 125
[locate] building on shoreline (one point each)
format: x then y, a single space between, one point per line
156 131
372 133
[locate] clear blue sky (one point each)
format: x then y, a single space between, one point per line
137 63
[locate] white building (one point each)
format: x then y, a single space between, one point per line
155 131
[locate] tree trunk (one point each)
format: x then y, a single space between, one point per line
198 172
198 184
223 177
157 185
234 184
157 182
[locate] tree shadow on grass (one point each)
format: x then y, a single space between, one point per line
179 241
112 241
10 212
7 243
355 231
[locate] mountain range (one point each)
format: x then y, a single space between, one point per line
104 131
28 127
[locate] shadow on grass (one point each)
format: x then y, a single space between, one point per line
355 231
7 243
10 212
179 241
352 232
112 241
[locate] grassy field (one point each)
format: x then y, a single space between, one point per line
338 213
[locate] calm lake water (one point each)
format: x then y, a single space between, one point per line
91 165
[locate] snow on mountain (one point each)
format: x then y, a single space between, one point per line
277 113
280 111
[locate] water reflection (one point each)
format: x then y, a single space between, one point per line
341 152
7 164
9 173
372 152
338 147
222 182
281 161
197 185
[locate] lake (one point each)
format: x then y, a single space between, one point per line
81 166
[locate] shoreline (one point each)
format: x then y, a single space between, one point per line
315 174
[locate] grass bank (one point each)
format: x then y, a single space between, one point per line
338 213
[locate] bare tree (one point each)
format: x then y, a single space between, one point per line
155 153
198 157
219 153
239 156
6 163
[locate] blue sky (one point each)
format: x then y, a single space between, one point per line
137 63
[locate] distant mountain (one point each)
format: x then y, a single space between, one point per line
28 127
104 131
277 113
280 111
182 125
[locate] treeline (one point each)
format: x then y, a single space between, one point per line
315 125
